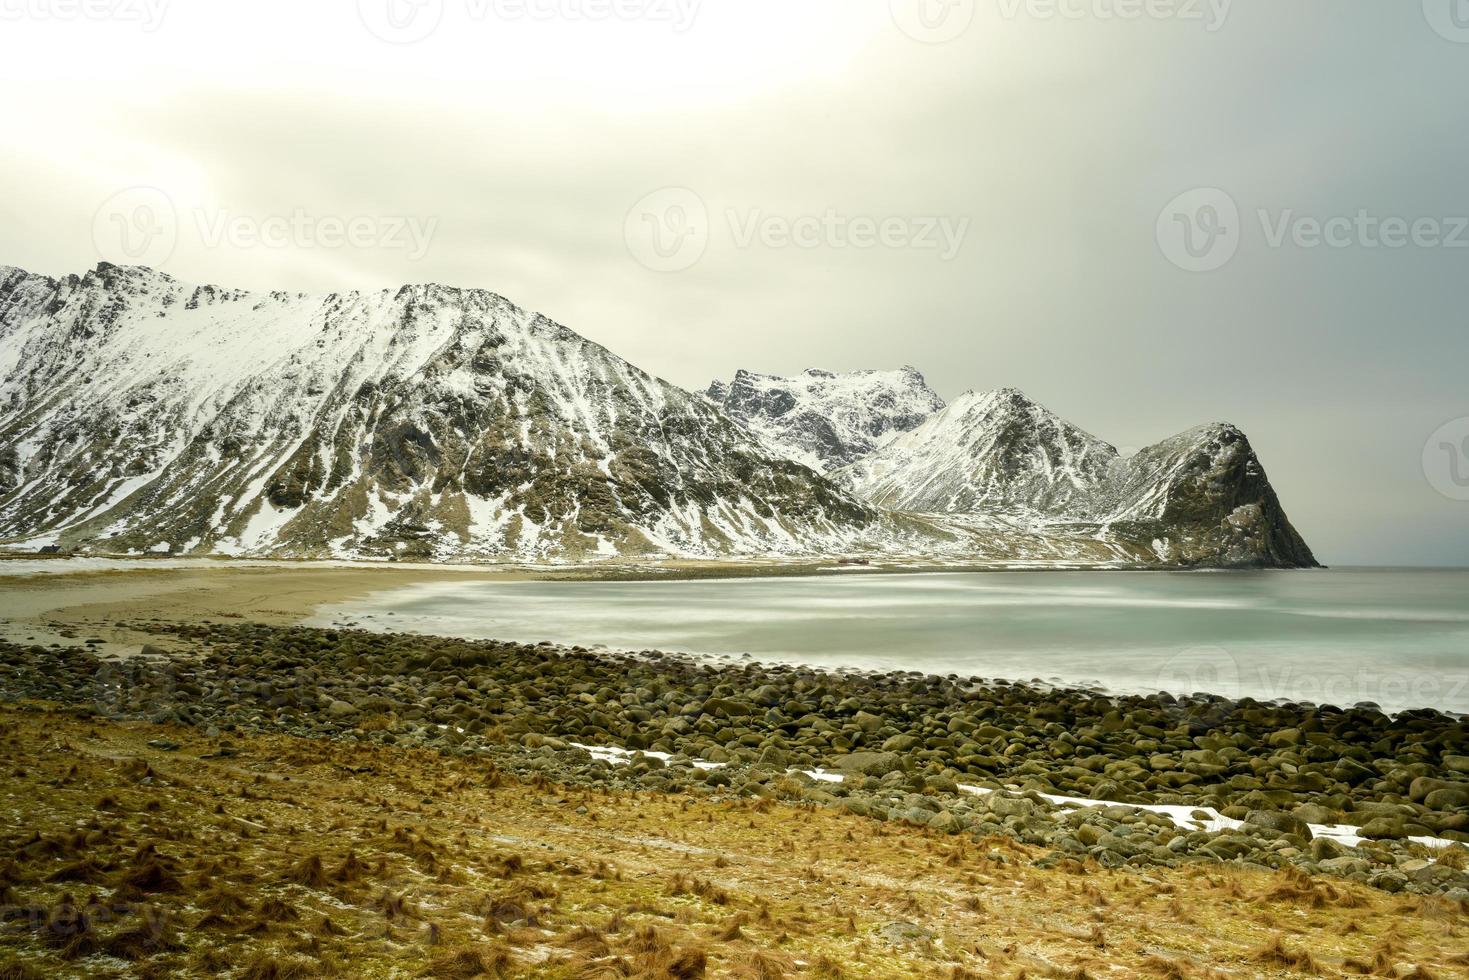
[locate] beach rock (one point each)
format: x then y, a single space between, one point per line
1314 813
1285 823
868 763
1447 798
1008 806
1345 865
1324 848
1089 835
945 822
341 709
1422 786
1385 828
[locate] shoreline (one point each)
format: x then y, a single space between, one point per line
614 569
1266 786
69 607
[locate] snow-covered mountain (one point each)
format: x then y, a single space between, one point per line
141 414
827 420
987 453
1198 497
138 413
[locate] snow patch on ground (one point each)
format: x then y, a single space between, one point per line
1185 817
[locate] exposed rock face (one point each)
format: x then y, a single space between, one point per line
139 413
827 420
1204 498
1198 498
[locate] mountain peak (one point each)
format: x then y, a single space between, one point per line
425 422
826 419
1199 497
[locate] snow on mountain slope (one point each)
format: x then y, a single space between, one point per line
991 452
827 420
138 414
1200 497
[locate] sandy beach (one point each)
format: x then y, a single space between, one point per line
41 600
45 608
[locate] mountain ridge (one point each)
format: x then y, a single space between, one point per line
139 414
1198 496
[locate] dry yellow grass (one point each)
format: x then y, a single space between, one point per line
297 858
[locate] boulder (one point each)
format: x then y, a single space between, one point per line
1325 849
1419 789
1285 823
1345 865
945 822
1009 806
1385 828
341 710
869 763
901 743
1447 798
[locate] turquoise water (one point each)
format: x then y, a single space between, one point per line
1396 637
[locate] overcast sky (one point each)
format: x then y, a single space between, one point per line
1061 195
